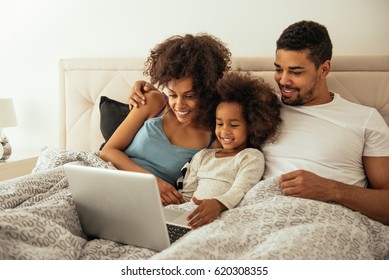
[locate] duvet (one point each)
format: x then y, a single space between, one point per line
38 220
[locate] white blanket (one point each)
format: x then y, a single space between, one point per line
38 221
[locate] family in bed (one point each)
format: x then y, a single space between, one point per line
231 126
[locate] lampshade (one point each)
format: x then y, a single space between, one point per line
7 113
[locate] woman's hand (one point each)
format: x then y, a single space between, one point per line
206 212
137 93
168 193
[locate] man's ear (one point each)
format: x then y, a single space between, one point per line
325 69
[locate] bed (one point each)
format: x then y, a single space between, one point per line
38 219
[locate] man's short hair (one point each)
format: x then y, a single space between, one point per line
307 35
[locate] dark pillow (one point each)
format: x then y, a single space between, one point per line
112 114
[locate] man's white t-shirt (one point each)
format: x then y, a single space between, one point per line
329 140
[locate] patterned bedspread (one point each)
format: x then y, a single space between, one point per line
38 220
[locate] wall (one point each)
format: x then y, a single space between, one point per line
34 35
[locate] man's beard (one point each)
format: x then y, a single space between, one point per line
299 100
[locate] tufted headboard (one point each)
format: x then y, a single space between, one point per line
361 79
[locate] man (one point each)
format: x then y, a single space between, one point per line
329 149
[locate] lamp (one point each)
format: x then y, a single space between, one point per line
7 119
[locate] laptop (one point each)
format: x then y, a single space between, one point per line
123 206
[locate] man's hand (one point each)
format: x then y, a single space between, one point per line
207 211
169 195
137 93
305 184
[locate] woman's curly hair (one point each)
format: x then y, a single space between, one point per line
203 57
261 106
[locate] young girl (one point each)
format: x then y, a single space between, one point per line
247 115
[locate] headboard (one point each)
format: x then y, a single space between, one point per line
361 79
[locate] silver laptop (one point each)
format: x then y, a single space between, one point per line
124 207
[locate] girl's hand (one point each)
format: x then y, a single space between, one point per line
168 193
207 211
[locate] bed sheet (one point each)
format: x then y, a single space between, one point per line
38 220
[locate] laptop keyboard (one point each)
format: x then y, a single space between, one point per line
176 232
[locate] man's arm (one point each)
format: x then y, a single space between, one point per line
372 202
137 93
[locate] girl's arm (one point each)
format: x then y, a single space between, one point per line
251 167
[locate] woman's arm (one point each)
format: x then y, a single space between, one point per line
113 150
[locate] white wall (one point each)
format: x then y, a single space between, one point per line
35 34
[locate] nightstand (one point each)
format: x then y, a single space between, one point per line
17 165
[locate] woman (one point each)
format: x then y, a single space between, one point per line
162 135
